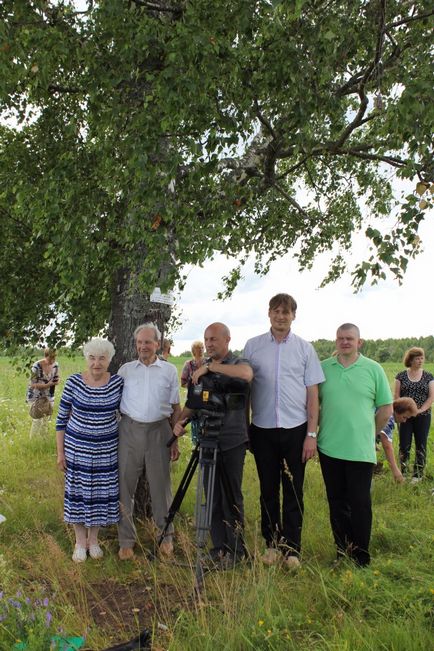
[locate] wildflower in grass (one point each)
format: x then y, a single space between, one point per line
25 622
260 622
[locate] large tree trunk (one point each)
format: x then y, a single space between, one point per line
130 308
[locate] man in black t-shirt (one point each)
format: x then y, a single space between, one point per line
227 520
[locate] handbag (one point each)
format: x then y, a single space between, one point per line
41 407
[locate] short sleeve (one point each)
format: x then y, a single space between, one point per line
65 405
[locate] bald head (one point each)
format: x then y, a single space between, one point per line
217 337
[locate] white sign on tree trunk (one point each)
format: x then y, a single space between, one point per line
158 297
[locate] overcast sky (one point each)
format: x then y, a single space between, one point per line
382 311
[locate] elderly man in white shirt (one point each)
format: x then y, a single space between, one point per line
149 407
285 411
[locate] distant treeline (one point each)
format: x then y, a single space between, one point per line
382 350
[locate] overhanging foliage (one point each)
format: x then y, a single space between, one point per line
147 135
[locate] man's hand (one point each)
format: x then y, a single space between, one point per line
198 373
174 451
179 428
309 449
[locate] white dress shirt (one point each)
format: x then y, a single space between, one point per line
149 391
282 371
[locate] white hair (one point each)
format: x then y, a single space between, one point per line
99 346
151 326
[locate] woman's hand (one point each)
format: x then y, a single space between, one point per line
398 476
61 462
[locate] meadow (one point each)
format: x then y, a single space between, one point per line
388 606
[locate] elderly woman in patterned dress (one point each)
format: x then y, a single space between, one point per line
87 448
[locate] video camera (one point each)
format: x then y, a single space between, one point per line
217 392
213 397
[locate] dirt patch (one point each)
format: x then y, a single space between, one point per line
130 607
124 610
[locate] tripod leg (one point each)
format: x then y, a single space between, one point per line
180 493
204 502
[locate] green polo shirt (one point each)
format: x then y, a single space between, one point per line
348 398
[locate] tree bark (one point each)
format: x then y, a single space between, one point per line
131 307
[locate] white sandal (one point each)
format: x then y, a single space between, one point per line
79 555
95 551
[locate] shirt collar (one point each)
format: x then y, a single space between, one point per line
157 362
227 358
284 340
336 361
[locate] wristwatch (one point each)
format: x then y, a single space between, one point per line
208 364
312 435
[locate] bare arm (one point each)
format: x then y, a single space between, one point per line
174 449
382 416
428 402
176 413
240 371
61 461
397 390
390 456
309 446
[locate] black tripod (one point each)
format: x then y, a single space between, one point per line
204 455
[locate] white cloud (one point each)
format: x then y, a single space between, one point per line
381 311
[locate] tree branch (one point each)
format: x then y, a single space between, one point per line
26 231
152 6
409 20
263 120
56 88
291 200
390 160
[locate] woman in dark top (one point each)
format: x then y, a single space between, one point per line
418 384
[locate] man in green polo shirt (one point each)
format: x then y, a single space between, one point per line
356 403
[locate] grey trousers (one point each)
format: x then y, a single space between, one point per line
143 445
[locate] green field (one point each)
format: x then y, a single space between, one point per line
387 606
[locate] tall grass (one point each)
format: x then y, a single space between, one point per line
386 606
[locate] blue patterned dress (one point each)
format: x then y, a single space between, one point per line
88 417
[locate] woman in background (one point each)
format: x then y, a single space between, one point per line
43 380
403 409
191 365
418 384
188 369
87 448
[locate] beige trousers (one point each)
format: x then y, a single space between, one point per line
143 445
